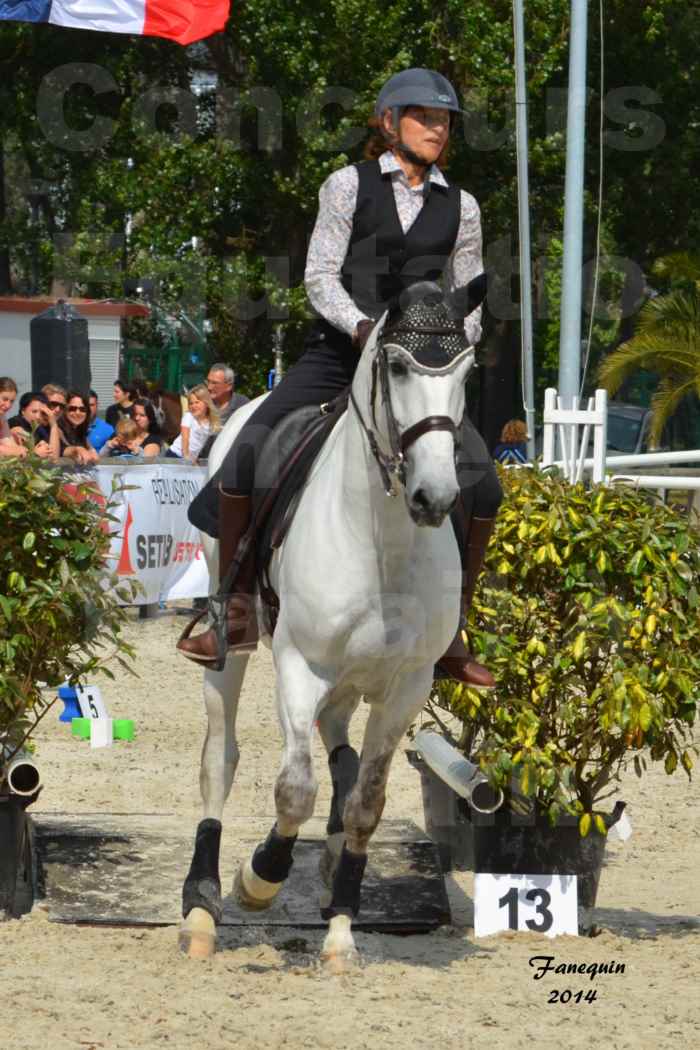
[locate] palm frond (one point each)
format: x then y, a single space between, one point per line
666 341
678 264
665 401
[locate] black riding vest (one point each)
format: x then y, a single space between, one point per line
381 259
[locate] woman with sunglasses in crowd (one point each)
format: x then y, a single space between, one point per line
70 437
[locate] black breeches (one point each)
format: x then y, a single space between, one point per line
478 481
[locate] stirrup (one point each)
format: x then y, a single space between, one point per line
216 608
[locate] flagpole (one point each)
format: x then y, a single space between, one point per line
524 227
570 330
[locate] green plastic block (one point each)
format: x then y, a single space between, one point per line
80 728
123 729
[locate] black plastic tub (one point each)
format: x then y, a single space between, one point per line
505 843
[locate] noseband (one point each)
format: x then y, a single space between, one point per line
394 465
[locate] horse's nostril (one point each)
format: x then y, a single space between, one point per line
420 499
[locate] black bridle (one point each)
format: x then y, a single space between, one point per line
394 465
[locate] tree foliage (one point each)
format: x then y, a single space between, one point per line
60 611
240 170
587 615
666 342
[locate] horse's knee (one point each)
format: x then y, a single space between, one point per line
295 791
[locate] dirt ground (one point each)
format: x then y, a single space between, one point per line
76 987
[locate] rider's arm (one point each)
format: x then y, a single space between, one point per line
465 261
327 250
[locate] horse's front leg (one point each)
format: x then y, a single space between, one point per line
201 893
387 723
300 695
343 763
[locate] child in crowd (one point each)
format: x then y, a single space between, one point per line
125 441
198 423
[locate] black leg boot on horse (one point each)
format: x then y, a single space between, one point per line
233 608
458 662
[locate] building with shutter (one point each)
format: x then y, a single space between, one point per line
104 333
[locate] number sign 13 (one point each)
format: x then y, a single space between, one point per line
533 903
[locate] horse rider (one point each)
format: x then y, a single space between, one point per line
383 224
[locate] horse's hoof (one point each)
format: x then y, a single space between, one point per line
197 936
339 954
335 963
252 892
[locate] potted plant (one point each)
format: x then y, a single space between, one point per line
587 615
60 619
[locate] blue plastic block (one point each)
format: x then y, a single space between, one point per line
71 707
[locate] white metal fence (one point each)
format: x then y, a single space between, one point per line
573 427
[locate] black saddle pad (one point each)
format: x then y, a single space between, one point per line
278 449
284 465
270 472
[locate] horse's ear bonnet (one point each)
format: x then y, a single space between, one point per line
429 324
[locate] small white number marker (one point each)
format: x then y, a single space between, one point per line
533 903
90 701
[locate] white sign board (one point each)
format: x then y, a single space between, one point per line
153 540
90 701
545 904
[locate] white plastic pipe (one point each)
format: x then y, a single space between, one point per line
22 776
458 772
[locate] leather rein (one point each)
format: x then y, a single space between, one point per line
394 465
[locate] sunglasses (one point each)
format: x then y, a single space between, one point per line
76 408
57 404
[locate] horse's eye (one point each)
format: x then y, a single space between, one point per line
398 368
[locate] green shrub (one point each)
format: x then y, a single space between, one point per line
587 615
60 617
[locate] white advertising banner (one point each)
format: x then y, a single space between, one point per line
154 541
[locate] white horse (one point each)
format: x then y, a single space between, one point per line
369 587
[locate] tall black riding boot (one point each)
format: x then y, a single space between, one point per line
241 627
458 662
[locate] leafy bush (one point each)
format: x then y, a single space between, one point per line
60 617
587 615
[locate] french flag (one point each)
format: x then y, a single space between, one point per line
181 20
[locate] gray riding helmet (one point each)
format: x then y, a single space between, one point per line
417 87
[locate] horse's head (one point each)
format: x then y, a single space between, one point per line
420 359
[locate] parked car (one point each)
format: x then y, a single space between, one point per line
629 427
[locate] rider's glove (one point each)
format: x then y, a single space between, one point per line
362 334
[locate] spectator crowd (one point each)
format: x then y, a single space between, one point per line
56 423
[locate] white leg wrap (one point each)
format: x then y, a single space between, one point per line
252 891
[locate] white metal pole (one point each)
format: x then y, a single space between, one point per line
570 334
524 226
